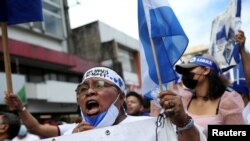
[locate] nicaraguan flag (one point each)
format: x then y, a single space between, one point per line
238 72
158 23
222 43
20 11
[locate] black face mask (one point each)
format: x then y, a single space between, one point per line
188 80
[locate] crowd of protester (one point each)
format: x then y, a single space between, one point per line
205 96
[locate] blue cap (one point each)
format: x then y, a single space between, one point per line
205 61
241 86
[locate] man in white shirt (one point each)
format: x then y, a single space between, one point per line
101 96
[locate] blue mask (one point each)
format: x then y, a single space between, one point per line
95 120
106 118
22 131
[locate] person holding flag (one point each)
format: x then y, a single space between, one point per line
207 98
101 96
162 43
243 86
240 38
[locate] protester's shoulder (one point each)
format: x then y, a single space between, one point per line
135 118
231 102
230 96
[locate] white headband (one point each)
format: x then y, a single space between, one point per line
105 73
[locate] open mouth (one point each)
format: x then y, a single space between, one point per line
92 107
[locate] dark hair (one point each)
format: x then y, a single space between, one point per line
135 94
14 124
217 86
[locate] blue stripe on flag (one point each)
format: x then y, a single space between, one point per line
238 9
221 34
158 22
20 11
241 69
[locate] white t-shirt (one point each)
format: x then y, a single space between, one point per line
29 137
134 118
67 129
167 131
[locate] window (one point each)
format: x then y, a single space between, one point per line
74 79
127 59
53 23
35 75
51 76
53 18
61 77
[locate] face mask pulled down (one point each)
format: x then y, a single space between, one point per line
103 119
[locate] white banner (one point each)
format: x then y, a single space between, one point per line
144 130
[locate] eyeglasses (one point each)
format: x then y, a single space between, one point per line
96 86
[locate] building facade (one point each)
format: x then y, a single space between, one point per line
111 48
39 56
48 60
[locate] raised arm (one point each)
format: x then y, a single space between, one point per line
240 37
186 129
15 104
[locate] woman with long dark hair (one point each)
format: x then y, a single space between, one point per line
208 99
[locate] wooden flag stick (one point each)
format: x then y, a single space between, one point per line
6 56
156 65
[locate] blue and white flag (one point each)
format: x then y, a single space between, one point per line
238 72
222 43
158 23
20 11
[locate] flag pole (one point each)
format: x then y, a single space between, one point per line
155 59
169 85
156 64
6 56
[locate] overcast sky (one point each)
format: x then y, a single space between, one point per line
195 16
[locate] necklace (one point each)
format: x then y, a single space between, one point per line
206 97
